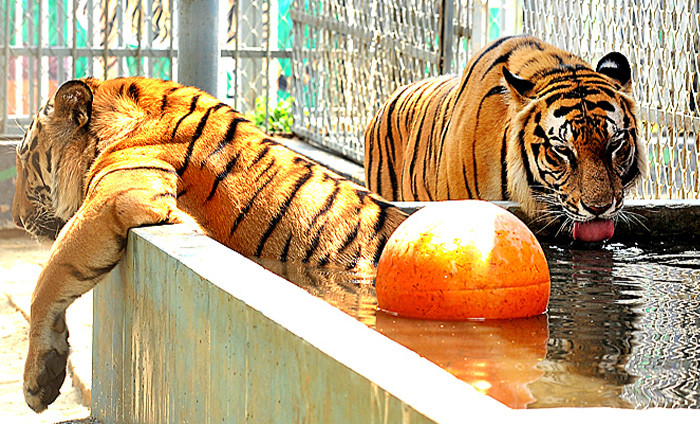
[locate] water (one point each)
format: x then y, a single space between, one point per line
622 330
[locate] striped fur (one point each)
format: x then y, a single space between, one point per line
105 156
526 122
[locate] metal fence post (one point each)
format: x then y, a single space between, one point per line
198 44
447 22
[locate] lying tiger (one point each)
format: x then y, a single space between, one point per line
102 157
526 122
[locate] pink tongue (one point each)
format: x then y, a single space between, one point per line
595 230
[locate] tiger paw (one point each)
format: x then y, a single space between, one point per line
43 381
45 371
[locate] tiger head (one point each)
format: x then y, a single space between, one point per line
574 144
49 157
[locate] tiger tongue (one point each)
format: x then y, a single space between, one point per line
595 230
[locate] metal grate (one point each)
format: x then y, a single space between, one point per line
350 56
256 59
46 42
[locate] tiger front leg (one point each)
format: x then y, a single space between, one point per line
90 245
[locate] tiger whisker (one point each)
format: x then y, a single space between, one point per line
632 218
566 225
20 126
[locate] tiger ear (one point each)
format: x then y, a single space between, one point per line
73 101
616 66
520 87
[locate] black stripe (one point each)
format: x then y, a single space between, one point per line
381 219
323 261
565 110
315 240
478 59
370 144
417 140
222 175
164 100
523 155
466 182
91 273
391 153
355 259
414 187
48 161
504 57
280 214
326 206
606 106
567 79
36 164
134 92
494 91
380 248
261 155
351 236
193 106
251 201
35 141
195 137
162 195
430 146
285 249
230 133
504 165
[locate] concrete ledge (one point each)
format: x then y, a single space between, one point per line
186 330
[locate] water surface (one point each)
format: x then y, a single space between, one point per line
622 330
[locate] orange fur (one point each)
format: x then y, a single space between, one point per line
106 156
526 122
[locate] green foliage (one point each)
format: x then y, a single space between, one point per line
280 117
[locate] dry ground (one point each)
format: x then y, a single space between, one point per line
21 259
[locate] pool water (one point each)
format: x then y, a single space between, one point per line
622 330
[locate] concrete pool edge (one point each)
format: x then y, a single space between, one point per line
158 357
370 366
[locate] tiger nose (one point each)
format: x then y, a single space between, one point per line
596 210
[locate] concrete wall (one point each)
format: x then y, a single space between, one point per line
186 330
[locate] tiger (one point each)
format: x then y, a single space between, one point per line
101 157
526 122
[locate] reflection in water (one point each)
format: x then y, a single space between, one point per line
622 330
498 357
590 331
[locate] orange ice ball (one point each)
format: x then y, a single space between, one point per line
463 259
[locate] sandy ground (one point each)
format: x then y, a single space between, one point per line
21 259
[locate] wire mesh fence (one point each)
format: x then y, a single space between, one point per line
341 59
351 55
